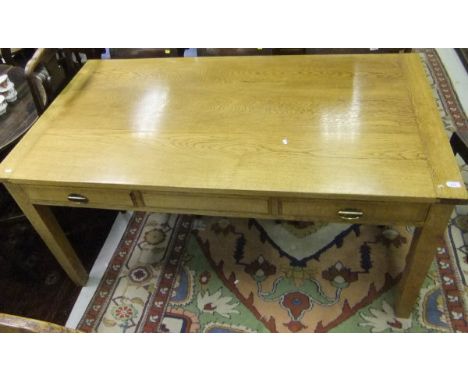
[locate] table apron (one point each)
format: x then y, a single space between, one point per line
267 207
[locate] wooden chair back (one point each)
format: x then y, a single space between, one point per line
16 324
76 57
47 73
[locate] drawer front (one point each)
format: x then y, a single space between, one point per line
77 196
354 211
233 205
206 204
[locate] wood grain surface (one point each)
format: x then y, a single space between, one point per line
424 245
361 127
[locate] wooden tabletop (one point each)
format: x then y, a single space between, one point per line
354 126
21 114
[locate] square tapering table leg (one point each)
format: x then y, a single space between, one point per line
45 224
426 239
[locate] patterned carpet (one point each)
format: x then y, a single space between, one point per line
180 273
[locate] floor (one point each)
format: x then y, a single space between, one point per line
99 268
32 283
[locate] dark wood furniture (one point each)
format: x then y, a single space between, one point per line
289 51
7 56
284 51
87 53
47 73
21 114
293 51
16 56
17 120
145 52
76 57
463 54
233 51
459 143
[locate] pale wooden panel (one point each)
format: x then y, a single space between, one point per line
206 204
445 170
59 195
238 93
330 168
318 126
372 212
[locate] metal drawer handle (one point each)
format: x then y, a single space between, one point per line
349 214
77 198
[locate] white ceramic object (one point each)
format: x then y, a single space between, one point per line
5 87
4 82
3 105
8 91
11 95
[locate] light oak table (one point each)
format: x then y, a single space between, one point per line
353 138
